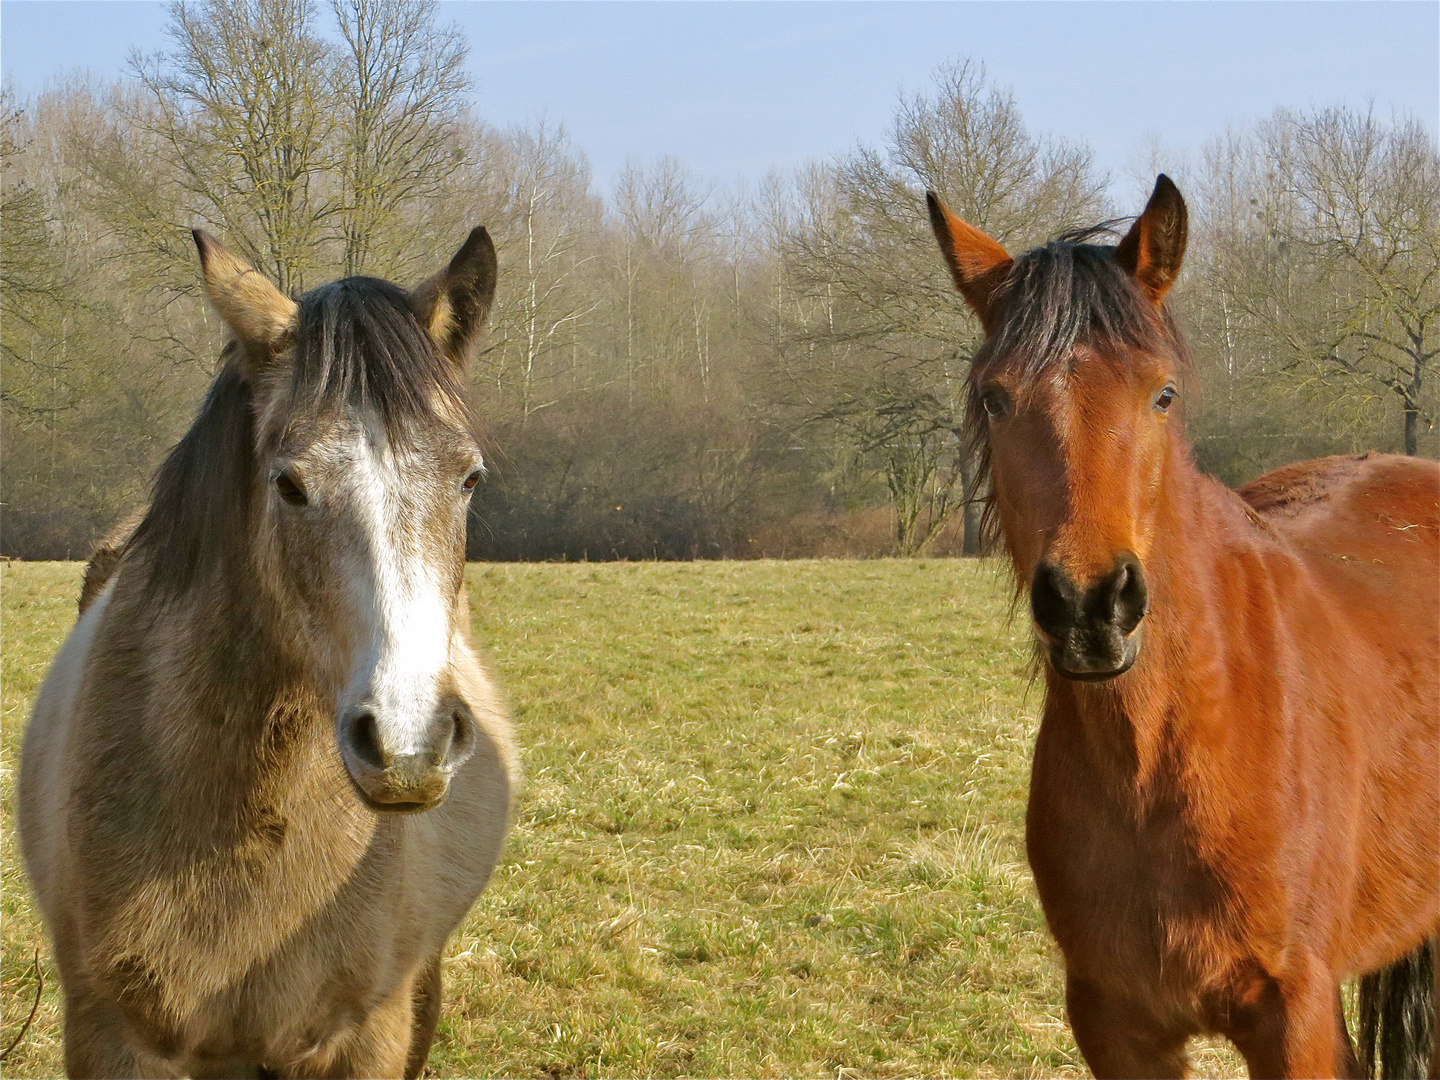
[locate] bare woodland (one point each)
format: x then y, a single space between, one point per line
672 370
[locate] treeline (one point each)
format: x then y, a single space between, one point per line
672 370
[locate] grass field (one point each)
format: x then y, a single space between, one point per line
771 826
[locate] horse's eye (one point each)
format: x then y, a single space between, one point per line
289 490
995 401
1164 399
473 479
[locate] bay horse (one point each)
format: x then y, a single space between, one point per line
267 775
1233 799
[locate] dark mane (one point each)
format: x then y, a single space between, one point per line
200 509
358 345
1069 292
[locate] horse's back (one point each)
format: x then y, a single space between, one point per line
1376 510
1368 529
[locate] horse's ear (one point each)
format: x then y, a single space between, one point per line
1155 245
454 303
257 313
977 263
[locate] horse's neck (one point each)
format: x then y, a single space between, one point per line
224 654
1139 728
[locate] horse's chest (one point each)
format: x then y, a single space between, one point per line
340 976
218 970
1130 900
201 913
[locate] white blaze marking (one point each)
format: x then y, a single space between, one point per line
409 616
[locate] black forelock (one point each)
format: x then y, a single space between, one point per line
1070 292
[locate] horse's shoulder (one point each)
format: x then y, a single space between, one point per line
105 557
46 767
487 704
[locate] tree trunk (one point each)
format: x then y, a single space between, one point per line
1412 424
971 509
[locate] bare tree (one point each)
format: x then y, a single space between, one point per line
968 140
666 232
1324 258
37 368
402 89
549 307
1369 199
88 399
669 373
883 344
30 294
242 105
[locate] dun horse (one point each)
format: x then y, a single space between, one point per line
1233 804
267 776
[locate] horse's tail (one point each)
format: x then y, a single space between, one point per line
1397 1016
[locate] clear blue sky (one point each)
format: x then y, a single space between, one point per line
735 88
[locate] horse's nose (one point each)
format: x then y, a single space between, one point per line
416 778
1090 631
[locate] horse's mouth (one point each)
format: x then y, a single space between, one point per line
1092 675
403 806
399 807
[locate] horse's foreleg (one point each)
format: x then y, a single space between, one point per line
1117 1039
1346 1063
377 1047
99 1043
1294 1026
425 1019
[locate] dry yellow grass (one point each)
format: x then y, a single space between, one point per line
771 826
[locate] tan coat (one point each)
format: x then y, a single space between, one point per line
222 900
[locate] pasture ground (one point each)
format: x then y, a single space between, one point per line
771 826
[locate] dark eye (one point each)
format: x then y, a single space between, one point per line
473 479
289 490
1164 399
995 401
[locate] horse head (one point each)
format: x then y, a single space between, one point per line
362 454
1073 403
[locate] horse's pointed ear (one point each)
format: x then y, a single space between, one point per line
256 311
1155 245
977 262
454 303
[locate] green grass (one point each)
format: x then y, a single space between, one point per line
771 826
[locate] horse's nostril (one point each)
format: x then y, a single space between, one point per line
363 736
1131 597
1049 602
